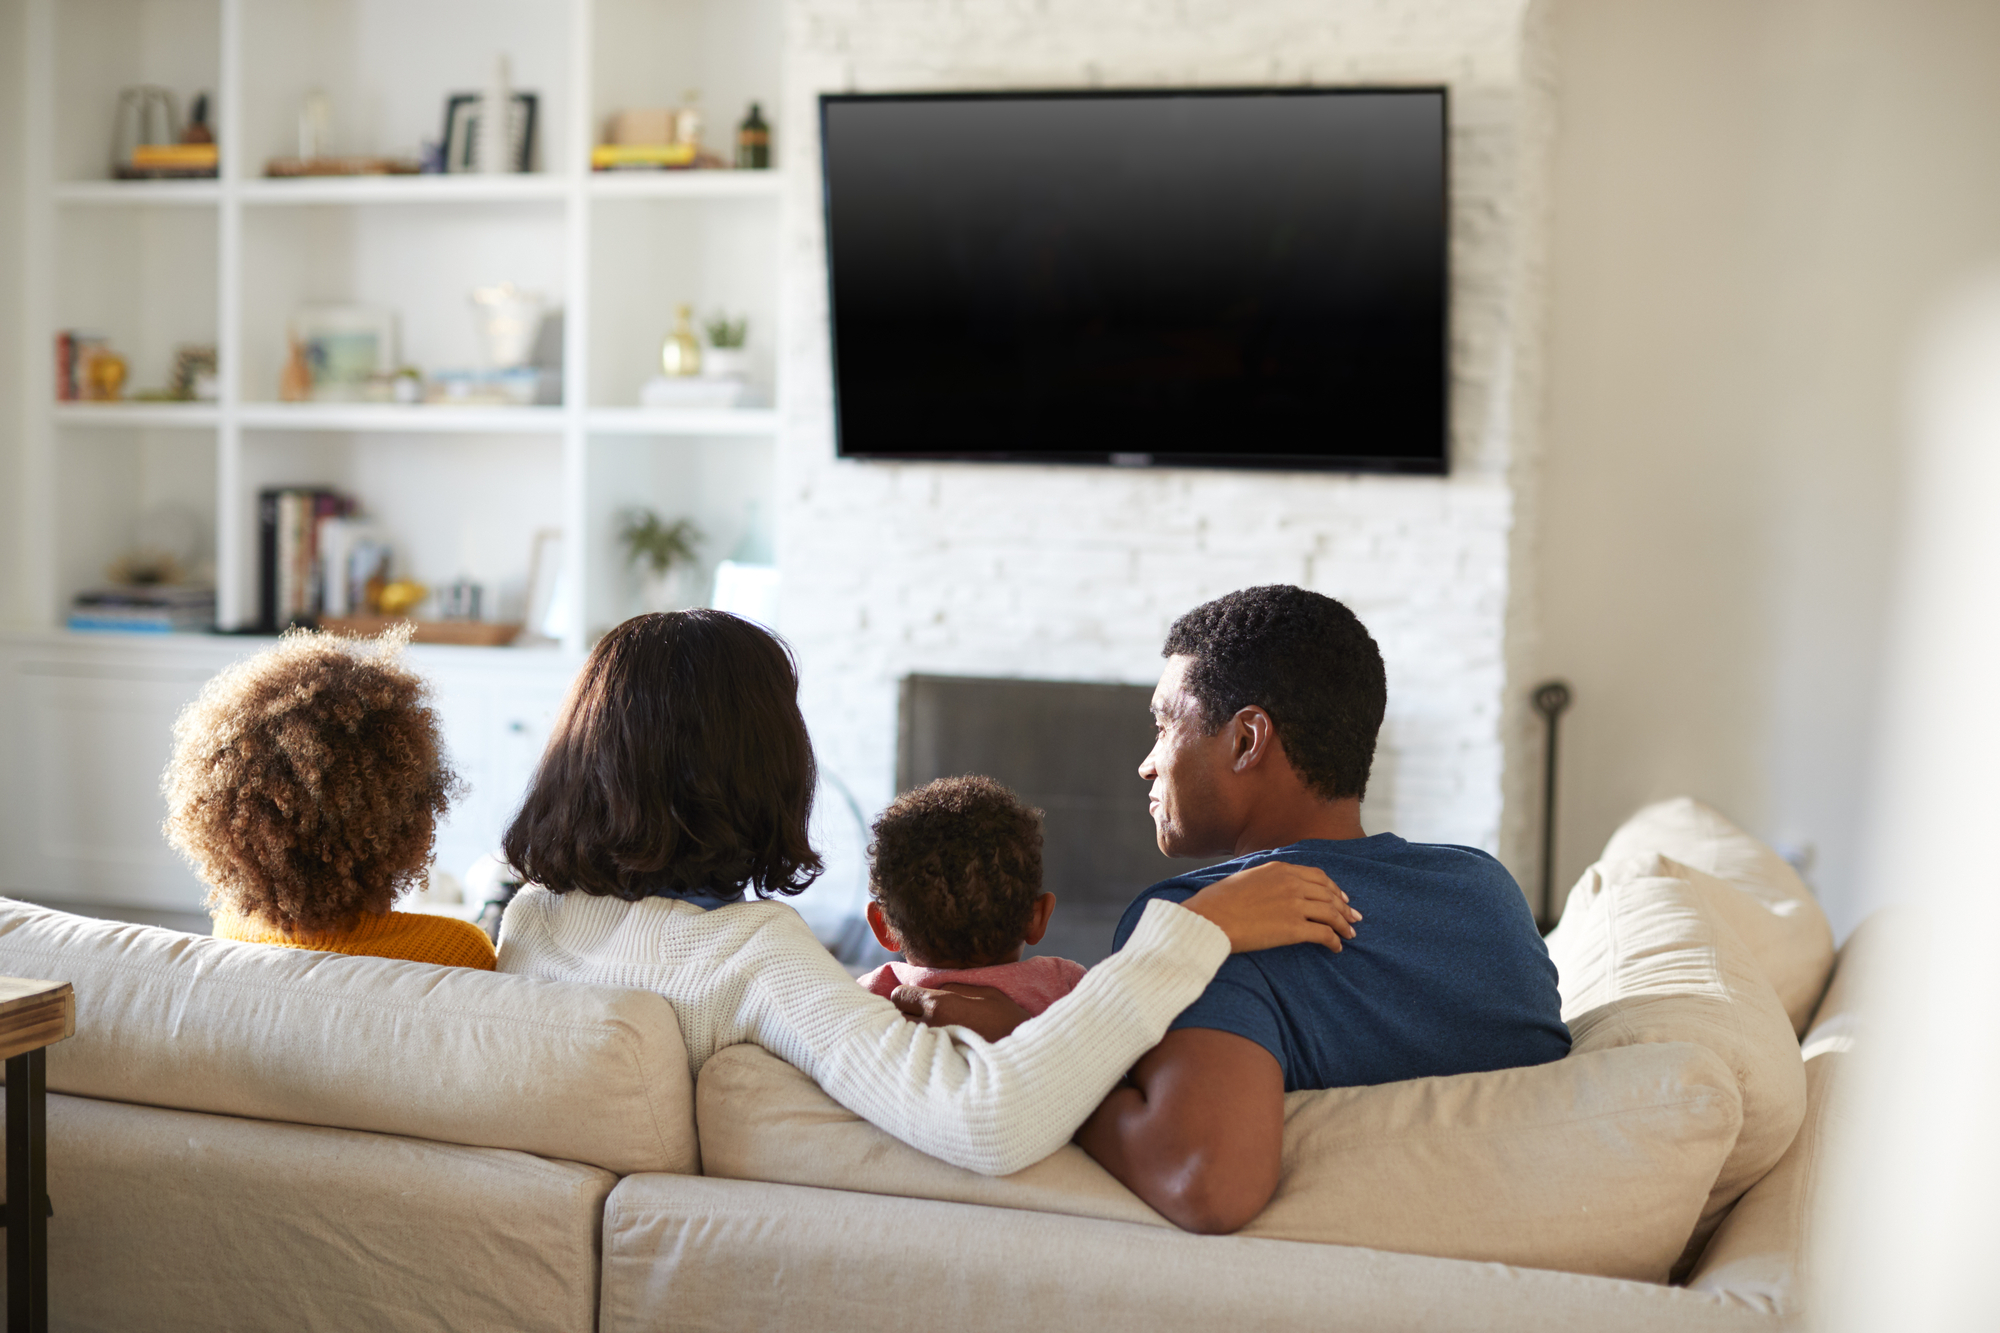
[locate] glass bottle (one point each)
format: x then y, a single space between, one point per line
753 141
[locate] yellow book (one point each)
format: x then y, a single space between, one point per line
610 156
175 156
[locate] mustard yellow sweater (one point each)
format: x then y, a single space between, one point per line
416 936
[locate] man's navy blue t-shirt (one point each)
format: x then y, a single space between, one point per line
1446 973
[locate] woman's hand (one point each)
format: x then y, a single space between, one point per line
1274 904
982 1008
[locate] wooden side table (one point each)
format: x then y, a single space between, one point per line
33 1015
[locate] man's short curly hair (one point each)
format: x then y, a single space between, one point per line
1303 658
957 866
307 782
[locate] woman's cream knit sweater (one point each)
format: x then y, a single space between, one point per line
752 972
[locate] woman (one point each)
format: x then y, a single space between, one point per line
679 775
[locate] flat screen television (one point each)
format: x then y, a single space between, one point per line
1214 277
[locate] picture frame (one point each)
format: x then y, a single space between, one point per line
462 125
348 349
547 600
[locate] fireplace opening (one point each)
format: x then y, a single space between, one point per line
1070 749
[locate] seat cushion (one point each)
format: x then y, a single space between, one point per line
1594 1164
1770 908
718 1256
1644 955
584 1073
172 1220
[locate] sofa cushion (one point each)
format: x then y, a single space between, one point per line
1758 1255
1594 1164
701 1256
172 1221
1770 909
1643 955
585 1073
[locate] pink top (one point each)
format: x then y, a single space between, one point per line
1032 983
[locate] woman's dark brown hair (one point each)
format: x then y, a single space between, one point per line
680 765
307 782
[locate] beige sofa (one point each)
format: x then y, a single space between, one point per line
243 1137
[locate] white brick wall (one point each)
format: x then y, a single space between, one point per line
1074 573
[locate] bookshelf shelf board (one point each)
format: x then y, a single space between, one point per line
684 185
681 421
138 416
528 187
384 417
145 194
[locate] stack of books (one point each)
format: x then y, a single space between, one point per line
150 608
290 577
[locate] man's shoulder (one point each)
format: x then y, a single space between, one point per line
1176 890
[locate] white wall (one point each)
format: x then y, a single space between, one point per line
13 80
1076 573
1756 207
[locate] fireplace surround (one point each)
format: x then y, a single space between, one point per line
1072 750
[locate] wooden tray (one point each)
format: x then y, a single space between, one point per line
476 633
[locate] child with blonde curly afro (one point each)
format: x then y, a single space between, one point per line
305 789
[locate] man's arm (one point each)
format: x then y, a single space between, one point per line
1198 1131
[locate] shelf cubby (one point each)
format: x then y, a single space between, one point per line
723 484
107 480
450 505
103 47
420 261
386 68
715 256
144 278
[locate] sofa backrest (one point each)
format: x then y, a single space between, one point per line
1595 1164
589 1074
1643 955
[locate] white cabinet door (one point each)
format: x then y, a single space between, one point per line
88 746
495 726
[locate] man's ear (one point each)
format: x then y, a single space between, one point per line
1253 737
1038 919
885 934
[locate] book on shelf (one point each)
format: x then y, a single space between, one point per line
74 348
151 608
352 556
290 582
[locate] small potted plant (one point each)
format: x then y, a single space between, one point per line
726 357
662 555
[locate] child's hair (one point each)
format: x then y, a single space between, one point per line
307 782
957 866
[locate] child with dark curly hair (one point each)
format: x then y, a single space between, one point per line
305 789
955 886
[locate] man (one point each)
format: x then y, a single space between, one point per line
1267 714
1266 718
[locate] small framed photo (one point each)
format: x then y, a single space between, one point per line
348 349
548 599
462 126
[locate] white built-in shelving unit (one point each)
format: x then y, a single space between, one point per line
461 491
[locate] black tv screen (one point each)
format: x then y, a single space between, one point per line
1249 278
